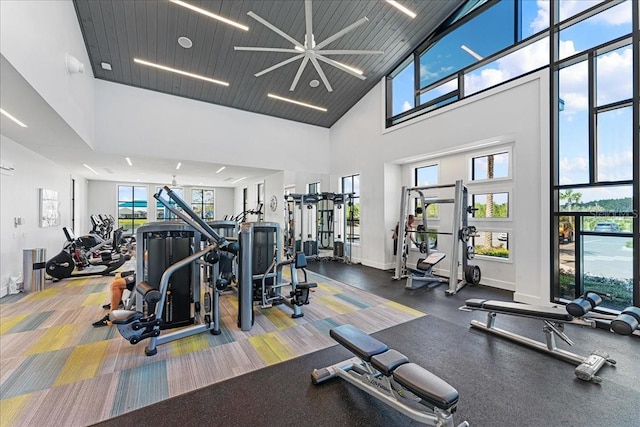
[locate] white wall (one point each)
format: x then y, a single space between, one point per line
274 187
516 112
147 123
20 199
35 36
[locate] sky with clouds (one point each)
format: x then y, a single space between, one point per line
614 83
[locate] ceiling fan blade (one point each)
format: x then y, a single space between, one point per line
351 52
266 49
340 66
279 64
322 76
275 29
308 13
342 33
299 73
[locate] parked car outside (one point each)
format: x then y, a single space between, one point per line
607 227
565 232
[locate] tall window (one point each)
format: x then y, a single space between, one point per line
351 184
132 207
491 204
425 176
202 203
245 200
596 160
314 188
260 198
162 213
454 62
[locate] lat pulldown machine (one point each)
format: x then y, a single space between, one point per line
175 244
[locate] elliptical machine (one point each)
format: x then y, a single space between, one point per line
83 252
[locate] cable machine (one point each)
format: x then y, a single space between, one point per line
461 232
168 260
322 217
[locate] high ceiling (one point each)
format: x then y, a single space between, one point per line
117 31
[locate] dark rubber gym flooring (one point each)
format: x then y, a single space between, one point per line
500 383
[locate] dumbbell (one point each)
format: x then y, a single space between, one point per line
627 321
581 306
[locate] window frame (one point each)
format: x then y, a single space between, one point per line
203 204
355 199
133 228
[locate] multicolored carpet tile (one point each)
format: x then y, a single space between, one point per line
57 369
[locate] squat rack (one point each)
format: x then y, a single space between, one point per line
461 232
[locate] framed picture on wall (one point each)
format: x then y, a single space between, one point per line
49 208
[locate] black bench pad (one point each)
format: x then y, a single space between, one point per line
305 285
358 342
388 361
150 294
431 388
549 313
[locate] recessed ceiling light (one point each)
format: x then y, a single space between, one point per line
314 83
210 14
178 165
221 169
238 180
105 66
185 42
270 95
128 161
90 168
401 8
10 117
355 70
184 73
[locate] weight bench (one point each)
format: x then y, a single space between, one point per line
423 274
554 319
387 375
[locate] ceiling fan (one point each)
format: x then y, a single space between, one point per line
309 51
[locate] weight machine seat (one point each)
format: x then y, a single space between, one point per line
430 261
506 307
429 387
123 317
359 343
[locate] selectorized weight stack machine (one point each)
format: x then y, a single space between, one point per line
170 254
317 225
260 273
160 245
461 233
225 271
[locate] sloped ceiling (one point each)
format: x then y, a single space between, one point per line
117 31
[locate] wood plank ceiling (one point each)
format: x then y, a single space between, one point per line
116 31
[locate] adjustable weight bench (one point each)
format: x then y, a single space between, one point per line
387 375
554 318
423 273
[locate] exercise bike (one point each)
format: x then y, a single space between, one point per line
83 252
